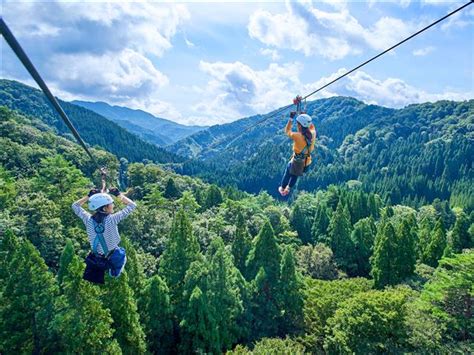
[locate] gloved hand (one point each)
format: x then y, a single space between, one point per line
114 191
93 192
292 114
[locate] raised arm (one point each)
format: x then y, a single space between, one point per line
130 206
79 211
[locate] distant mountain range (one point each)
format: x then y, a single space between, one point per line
150 128
94 128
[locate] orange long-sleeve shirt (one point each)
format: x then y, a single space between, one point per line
299 142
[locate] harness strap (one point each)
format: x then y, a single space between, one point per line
99 238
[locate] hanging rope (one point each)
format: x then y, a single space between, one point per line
20 53
339 77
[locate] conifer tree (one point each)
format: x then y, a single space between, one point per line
265 309
82 322
363 237
242 244
198 328
123 309
171 191
223 294
339 231
26 300
460 237
435 249
406 257
66 257
181 250
158 317
320 225
265 253
213 197
8 245
301 224
134 268
384 269
291 299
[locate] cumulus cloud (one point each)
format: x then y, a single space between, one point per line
390 92
236 90
331 34
97 50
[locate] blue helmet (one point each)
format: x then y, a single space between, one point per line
99 200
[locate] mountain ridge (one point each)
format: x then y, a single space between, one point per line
153 129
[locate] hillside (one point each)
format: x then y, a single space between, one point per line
94 129
150 128
412 155
218 270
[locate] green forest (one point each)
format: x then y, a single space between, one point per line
355 265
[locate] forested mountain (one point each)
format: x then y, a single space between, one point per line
216 270
150 128
94 129
412 155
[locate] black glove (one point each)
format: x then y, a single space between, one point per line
292 114
114 191
93 192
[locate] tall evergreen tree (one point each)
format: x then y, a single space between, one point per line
134 268
460 237
290 295
82 322
213 197
384 270
435 249
265 309
223 294
301 224
242 244
123 309
26 301
158 317
181 250
66 257
8 245
363 237
265 253
406 258
171 191
320 225
339 231
198 328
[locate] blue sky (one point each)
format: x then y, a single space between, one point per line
215 62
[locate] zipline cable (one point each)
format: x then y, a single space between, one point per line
341 76
20 53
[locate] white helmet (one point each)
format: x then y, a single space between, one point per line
99 200
304 120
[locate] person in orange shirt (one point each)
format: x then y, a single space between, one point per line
303 144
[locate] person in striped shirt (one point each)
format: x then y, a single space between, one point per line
101 226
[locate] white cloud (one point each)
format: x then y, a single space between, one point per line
391 92
423 51
117 76
98 50
334 35
271 53
236 90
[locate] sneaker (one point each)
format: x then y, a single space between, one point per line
281 191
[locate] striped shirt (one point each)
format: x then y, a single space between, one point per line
111 234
